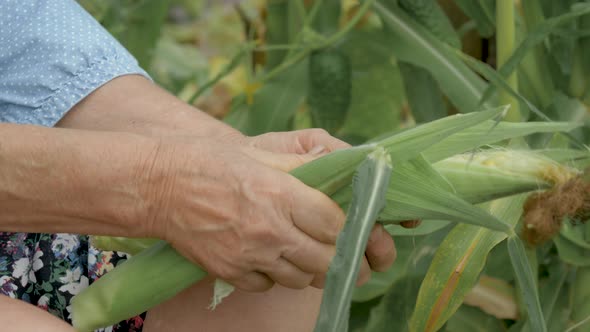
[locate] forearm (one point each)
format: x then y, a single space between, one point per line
60 180
24 317
134 104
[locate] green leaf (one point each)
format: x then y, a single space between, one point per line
133 287
174 64
550 292
381 281
527 283
277 31
369 187
377 90
401 146
430 14
575 234
276 102
533 38
410 143
411 42
327 19
457 265
581 300
495 78
483 134
417 191
480 14
571 253
470 319
395 309
423 94
138 27
413 259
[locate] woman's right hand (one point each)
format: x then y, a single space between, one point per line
224 208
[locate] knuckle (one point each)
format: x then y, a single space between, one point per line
304 281
319 132
228 273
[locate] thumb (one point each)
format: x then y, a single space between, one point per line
286 161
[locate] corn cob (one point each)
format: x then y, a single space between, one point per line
125 292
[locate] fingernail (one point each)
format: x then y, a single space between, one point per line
410 223
317 150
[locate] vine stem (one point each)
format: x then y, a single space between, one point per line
296 57
505 42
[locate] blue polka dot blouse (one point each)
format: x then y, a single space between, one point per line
52 55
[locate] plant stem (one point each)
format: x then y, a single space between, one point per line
505 42
291 60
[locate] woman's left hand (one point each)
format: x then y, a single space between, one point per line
133 104
380 252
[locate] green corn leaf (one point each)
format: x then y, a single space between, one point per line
457 265
132 246
470 319
576 158
534 38
527 283
138 29
570 252
414 255
430 14
581 301
377 90
410 143
422 91
401 146
549 293
417 191
484 19
101 305
423 94
575 234
276 102
277 31
495 78
395 308
369 187
481 134
411 42
226 70
500 173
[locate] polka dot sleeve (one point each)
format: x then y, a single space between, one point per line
52 55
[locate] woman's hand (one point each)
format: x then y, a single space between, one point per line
380 251
133 104
245 222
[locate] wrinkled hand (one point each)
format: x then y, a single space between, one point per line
245 222
380 252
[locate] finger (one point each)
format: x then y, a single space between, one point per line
307 253
316 214
310 138
299 142
287 274
410 223
364 272
253 282
319 281
281 161
381 252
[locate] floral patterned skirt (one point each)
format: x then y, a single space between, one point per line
47 270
